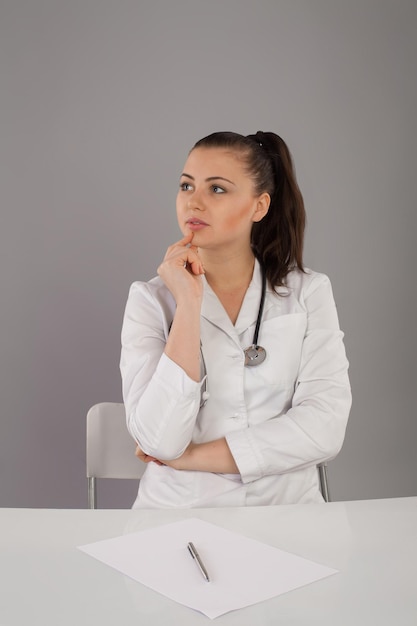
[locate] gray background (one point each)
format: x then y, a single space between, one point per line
100 102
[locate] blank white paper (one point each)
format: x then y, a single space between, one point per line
242 571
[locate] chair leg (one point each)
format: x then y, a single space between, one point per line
324 485
92 492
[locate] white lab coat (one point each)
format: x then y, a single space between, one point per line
280 418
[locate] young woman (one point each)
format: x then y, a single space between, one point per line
233 365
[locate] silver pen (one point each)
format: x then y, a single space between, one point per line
197 559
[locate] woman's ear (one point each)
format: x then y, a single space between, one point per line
262 206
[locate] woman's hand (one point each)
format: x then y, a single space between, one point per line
180 463
145 458
181 270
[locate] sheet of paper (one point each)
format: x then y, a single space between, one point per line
242 571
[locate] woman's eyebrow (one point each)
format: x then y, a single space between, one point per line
210 178
219 178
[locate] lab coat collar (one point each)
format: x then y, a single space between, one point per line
213 311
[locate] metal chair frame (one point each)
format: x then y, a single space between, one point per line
324 483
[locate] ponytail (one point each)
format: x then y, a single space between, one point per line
278 239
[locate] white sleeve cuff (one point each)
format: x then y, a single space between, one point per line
172 376
245 454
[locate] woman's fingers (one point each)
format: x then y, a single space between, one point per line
145 458
181 270
196 267
185 242
184 255
193 260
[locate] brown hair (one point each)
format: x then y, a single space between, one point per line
277 240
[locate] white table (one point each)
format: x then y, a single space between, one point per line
45 580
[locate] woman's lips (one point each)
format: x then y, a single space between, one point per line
196 224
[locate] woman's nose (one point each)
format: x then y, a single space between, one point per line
194 202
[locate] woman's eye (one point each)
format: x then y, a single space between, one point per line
218 189
185 186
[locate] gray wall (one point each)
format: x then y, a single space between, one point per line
100 101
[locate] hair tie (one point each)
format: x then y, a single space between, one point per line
259 138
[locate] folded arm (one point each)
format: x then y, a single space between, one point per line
313 429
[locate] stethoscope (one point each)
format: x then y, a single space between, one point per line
254 354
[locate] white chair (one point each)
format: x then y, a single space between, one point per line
110 448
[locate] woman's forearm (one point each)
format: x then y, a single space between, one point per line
212 456
183 343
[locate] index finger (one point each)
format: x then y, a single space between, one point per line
187 239
185 242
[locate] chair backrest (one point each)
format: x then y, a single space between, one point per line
110 449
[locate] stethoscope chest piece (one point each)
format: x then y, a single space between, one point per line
254 355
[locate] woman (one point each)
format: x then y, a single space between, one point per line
233 366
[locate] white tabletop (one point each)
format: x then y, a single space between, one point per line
45 580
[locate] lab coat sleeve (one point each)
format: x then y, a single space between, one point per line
313 429
161 401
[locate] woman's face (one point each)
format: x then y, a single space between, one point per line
217 200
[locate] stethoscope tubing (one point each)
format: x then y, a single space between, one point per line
254 355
